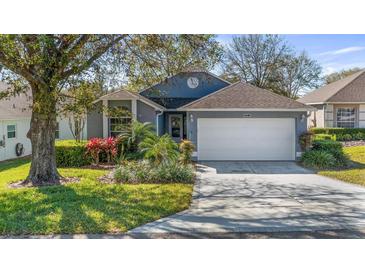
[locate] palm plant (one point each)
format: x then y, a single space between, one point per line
159 150
133 134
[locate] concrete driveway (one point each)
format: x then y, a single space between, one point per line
256 197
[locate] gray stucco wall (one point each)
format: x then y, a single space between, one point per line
301 126
145 113
95 122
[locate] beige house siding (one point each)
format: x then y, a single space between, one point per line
316 118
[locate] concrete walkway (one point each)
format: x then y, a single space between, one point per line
263 197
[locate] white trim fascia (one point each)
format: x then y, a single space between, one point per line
353 103
136 96
248 109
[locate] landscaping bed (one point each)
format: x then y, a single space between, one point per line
84 207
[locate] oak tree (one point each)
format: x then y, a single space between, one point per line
46 63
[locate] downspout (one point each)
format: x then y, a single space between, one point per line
157 122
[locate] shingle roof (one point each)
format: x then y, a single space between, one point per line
127 95
15 106
244 96
349 89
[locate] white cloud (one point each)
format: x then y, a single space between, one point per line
342 51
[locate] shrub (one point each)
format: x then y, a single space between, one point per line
359 136
159 150
342 134
186 148
69 153
146 172
327 145
334 148
337 131
305 140
346 137
322 136
94 147
318 159
109 147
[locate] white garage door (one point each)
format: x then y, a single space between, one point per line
246 139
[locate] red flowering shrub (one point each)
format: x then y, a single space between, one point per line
94 147
109 146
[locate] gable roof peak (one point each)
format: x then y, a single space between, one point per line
338 90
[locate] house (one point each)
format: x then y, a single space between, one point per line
339 104
15 118
224 121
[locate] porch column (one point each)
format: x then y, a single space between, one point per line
134 109
105 119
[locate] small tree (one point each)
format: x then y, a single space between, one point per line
77 101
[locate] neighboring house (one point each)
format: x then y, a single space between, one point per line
224 121
15 117
339 104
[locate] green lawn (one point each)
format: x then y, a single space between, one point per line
356 173
85 207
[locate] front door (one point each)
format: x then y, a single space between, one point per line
176 127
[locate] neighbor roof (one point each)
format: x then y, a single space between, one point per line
349 89
14 107
244 96
127 95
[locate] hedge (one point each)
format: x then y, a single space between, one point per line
342 134
338 131
69 153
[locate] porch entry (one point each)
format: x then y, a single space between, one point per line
176 126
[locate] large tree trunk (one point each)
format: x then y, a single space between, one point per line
43 170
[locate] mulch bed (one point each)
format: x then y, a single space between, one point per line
100 166
63 181
353 143
107 179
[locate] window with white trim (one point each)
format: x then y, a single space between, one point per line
346 117
119 124
11 129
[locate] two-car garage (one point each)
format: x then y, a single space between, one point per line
246 139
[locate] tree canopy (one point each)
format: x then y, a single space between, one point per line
268 61
152 58
335 76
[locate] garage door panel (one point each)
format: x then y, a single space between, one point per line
246 139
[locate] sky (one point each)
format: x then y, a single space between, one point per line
333 52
